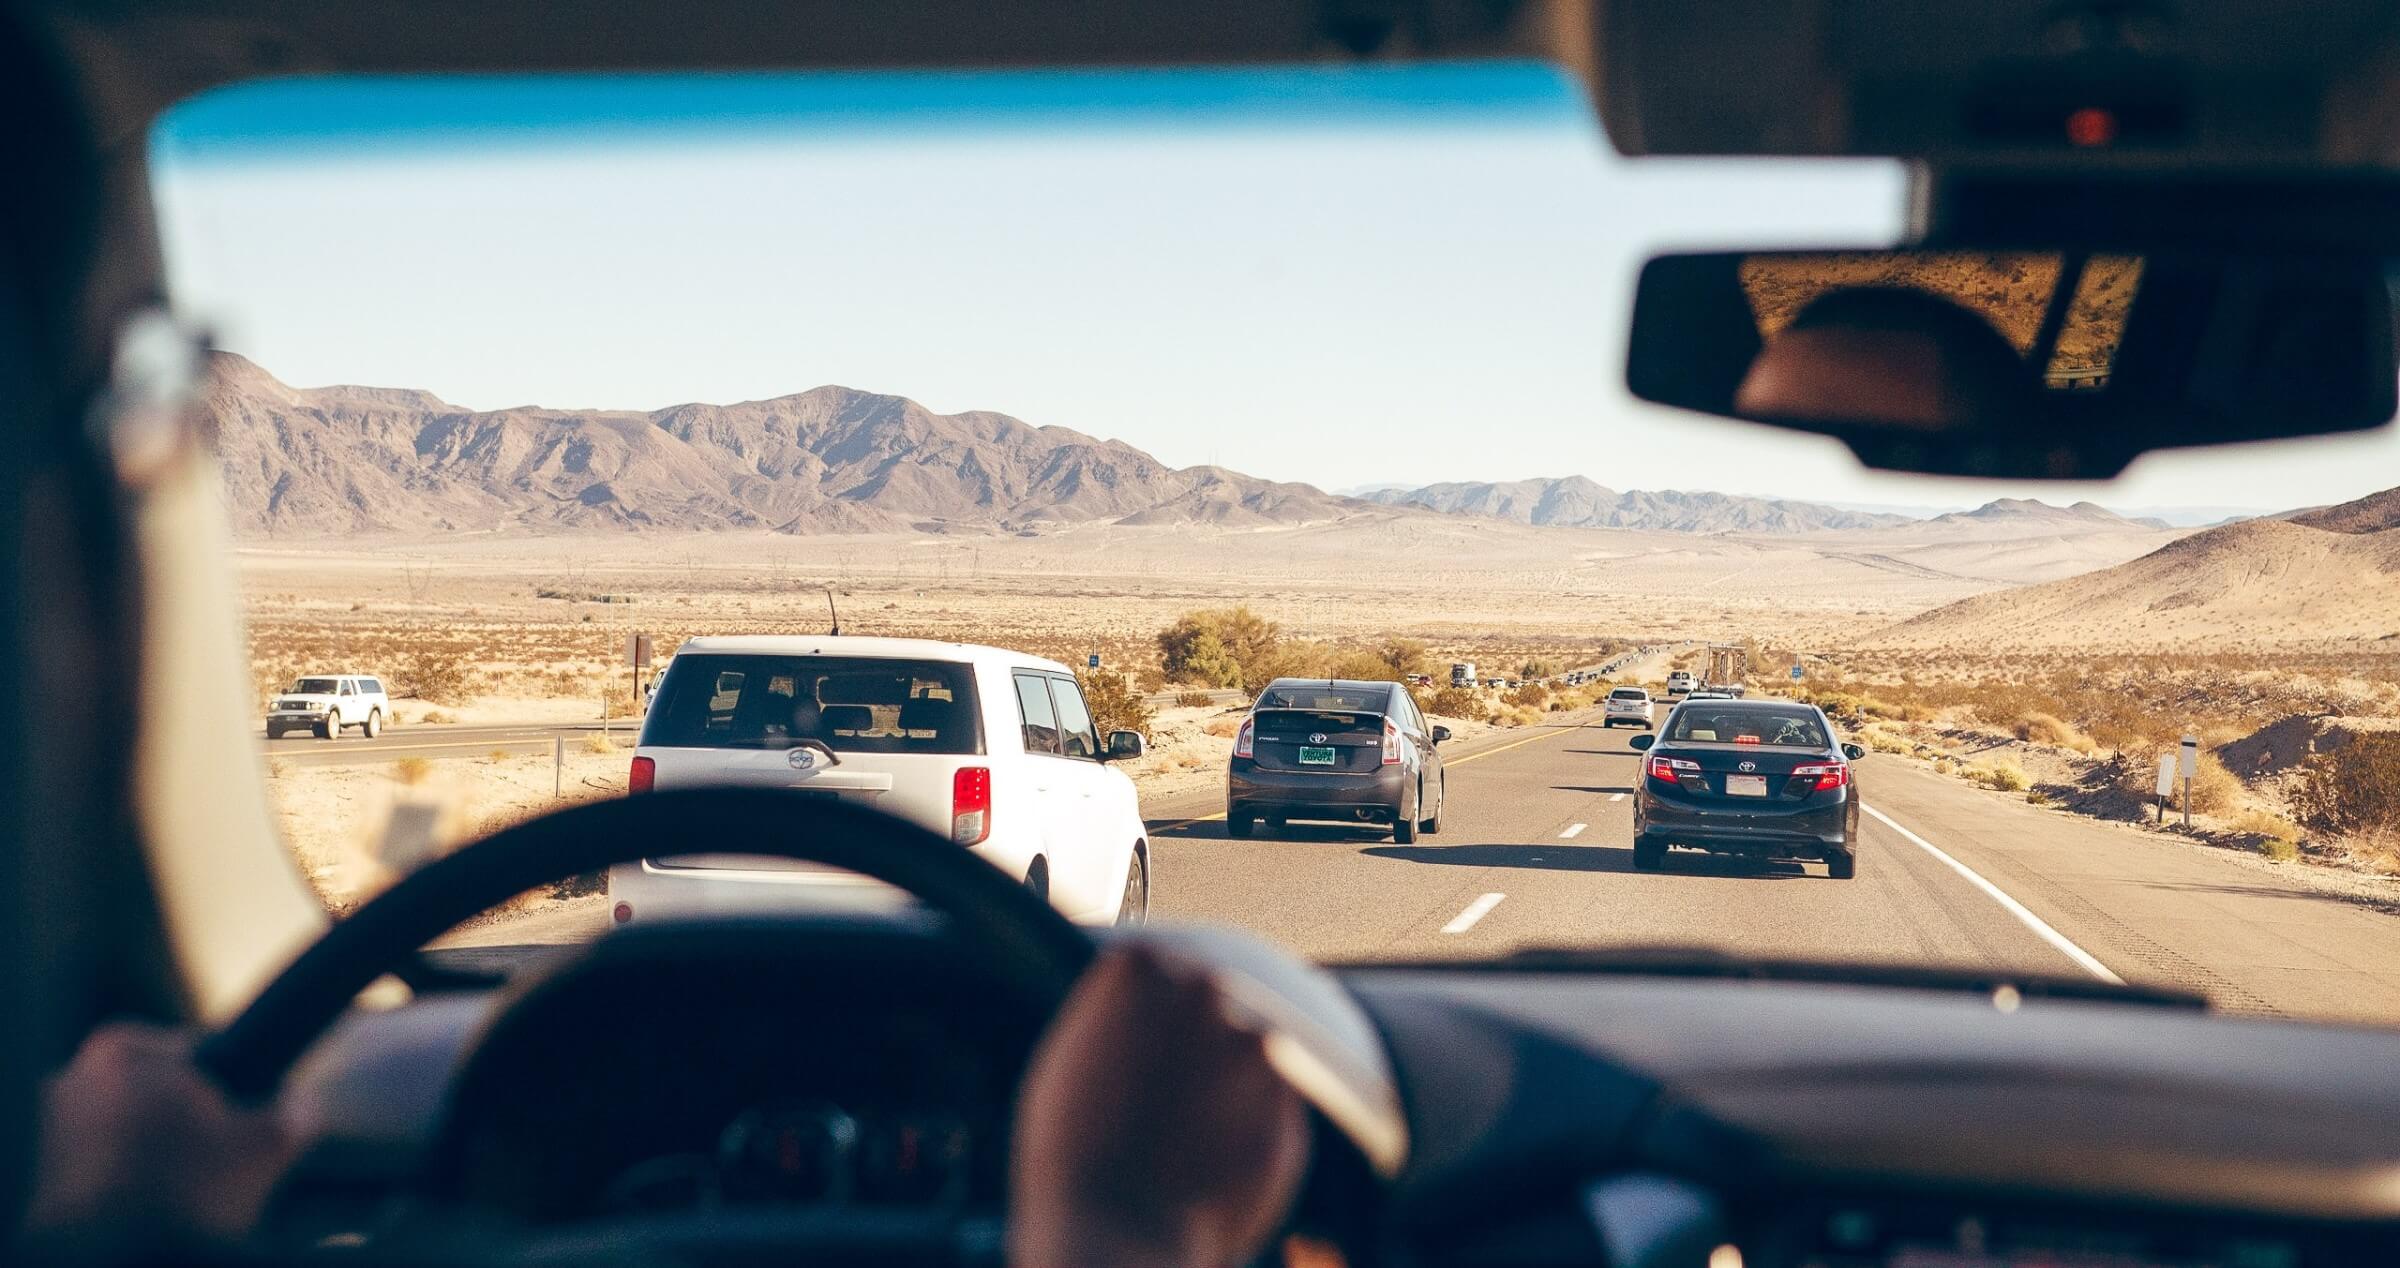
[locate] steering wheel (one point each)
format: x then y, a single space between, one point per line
1000 921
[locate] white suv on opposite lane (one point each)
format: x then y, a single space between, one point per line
1627 704
993 749
322 704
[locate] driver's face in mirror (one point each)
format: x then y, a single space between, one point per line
1888 355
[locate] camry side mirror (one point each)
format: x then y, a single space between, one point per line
1440 733
1853 751
1641 742
1124 746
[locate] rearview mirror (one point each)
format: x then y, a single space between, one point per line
1641 742
1853 751
1440 733
1124 746
2024 364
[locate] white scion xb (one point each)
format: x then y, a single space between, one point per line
992 749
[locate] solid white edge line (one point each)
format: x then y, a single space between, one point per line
1475 911
1616 796
1573 829
2041 928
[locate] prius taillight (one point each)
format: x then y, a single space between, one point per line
971 805
643 776
1242 742
1391 742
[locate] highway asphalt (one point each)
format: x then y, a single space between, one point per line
1535 851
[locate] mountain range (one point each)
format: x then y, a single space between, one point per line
340 461
2331 573
1578 502
350 461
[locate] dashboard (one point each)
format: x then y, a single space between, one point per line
1551 1117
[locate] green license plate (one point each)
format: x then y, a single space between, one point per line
1316 755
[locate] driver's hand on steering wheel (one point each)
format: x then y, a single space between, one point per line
1151 1131
141 1153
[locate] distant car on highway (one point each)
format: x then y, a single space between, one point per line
1626 704
1757 778
323 704
1353 752
1681 683
994 749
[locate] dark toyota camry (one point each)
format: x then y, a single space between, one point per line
1758 778
1357 752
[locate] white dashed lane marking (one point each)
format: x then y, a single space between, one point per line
1574 829
1475 911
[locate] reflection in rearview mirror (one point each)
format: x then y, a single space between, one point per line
2018 363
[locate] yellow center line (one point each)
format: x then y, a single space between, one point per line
1547 733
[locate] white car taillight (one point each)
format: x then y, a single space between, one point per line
1242 741
971 805
1391 742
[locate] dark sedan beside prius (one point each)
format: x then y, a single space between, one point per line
1352 752
1764 779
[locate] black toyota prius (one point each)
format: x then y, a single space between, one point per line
1759 778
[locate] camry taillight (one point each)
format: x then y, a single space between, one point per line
1669 770
971 805
1830 776
1242 742
643 775
1391 742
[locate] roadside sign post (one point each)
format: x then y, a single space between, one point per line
2189 764
2166 783
637 659
558 766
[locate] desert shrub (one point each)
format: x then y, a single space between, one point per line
2354 788
1884 742
2036 797
434 717
1115 705
1942 766
497 755
1223 728
2215 790
2278 849
598 742
2268 826
1192 699
2003 777
435 676
1538 667
1458 702
411 770
1531 695
2038 727
1225 647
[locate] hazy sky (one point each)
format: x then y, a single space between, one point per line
1344 278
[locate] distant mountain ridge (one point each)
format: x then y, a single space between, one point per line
2332 573
1579 502
346 460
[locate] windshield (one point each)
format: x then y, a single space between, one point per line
1215 401
315 687
862 706
1782 728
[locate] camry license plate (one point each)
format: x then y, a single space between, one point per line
1745 785
1316 755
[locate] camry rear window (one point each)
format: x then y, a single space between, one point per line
850 704
1326 697
1789 728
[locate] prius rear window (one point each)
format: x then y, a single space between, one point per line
850 704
